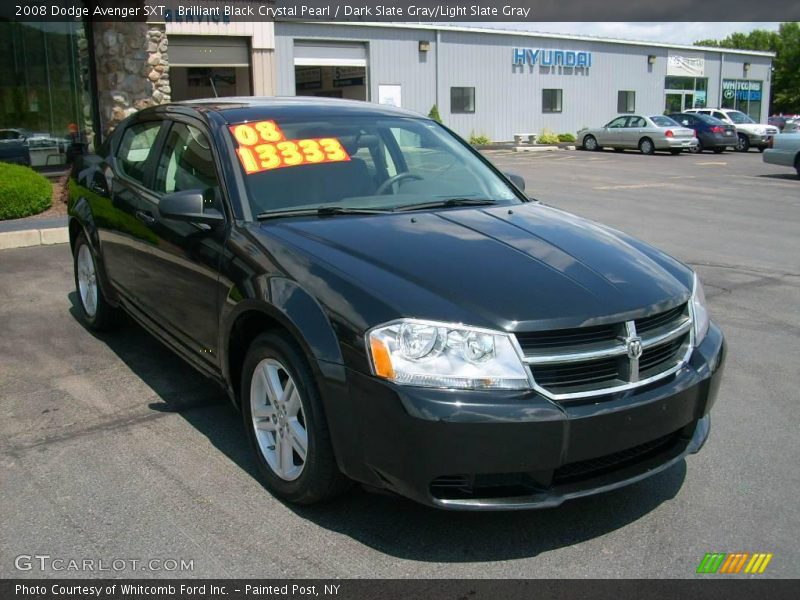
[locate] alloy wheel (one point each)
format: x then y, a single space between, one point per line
87 280
278 419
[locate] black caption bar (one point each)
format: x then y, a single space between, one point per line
398 10
394 589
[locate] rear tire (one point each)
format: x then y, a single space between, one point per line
743 143
96 312
797 166
286 424
646 146
590 143
696 149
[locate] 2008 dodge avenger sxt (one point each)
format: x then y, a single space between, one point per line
386 307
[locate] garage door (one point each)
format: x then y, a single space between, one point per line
208 51
334 54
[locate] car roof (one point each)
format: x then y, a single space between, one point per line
237 109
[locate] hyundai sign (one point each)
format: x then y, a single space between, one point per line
552 58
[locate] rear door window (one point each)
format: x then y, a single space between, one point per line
135 149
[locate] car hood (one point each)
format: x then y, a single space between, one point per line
512 268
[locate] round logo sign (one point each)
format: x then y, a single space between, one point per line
729 93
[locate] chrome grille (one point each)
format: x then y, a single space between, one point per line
596 360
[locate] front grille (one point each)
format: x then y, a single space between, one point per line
599 359
544 340
589 374
594 467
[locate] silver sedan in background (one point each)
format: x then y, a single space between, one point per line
784 150
648 134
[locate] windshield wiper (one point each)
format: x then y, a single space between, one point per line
321 211
449 202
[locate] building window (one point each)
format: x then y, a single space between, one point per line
626 101
462 99
744 95
685 92
551 101
46 100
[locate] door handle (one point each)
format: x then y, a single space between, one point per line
145 217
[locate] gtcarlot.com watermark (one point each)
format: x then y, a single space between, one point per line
57 564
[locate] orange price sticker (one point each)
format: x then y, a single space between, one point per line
259 156
252 134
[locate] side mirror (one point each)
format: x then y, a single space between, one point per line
188 206
517 180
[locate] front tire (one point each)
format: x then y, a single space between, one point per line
590 143
286 424
743 143
96 312
646 146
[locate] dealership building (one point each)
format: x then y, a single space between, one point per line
490 82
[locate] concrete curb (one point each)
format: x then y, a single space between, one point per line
536 149
33 237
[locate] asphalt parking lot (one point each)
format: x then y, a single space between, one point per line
112 448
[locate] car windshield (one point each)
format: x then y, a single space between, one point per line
361 163
661 121
739 117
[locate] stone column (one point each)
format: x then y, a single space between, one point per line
132 69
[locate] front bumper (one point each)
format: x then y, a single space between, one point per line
760 141
517 450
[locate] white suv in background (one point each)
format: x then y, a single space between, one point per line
749 132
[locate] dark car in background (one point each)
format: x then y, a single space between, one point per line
384 306
785 123
712 134
14 147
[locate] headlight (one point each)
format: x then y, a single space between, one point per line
432 354
699 311
760 131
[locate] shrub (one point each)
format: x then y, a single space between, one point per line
547 137
479 140
434 114
566 137
23 192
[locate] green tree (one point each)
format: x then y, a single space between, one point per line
786 66
434 114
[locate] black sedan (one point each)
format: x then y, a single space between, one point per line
712 133
384 306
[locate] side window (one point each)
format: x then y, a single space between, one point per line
187 164
137 141
618 122
636 122
720 116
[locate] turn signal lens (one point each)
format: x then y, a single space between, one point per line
381 359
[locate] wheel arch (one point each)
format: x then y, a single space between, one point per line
292 311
